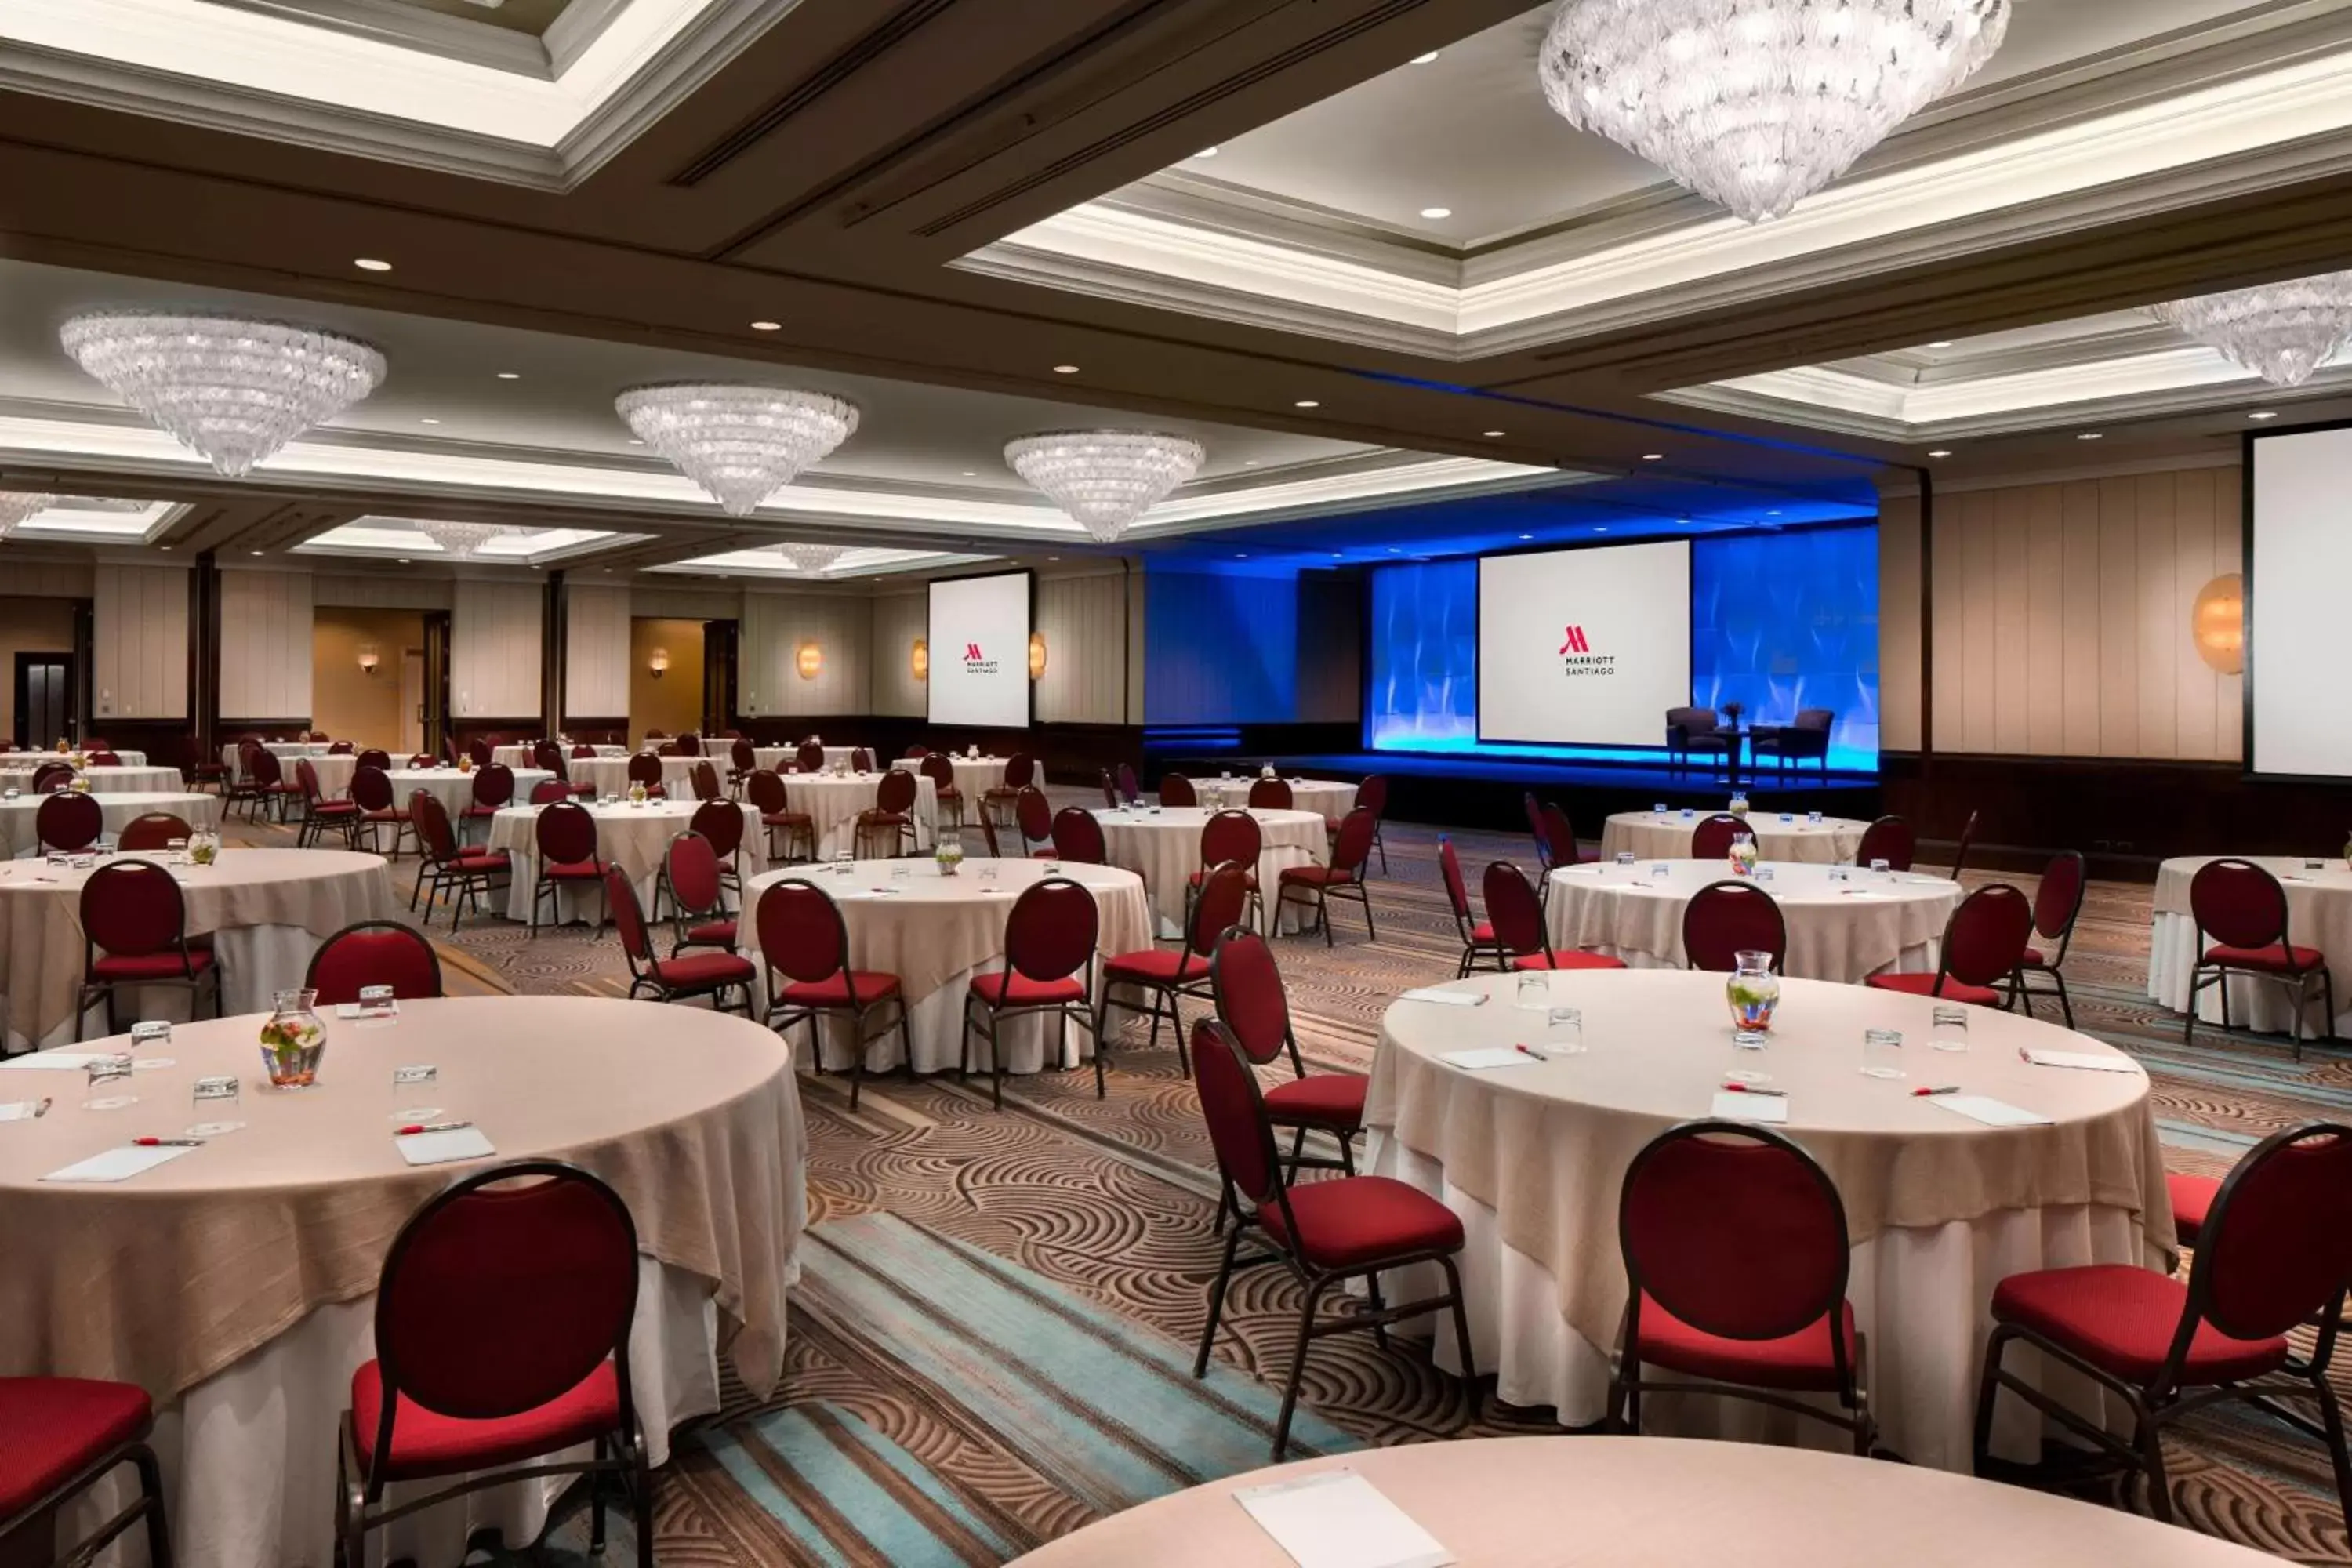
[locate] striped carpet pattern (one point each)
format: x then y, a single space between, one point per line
987 1291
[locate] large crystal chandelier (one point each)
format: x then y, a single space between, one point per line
743 444
235 390
1759 103
462 540
810 557
1105 479
2281 332
20 506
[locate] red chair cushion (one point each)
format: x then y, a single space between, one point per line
872 986
115 967
335 808
1249 876
1483 932
1359 1221
786 818
704 971
1328 1100
572 871
1314 876
1568 958
2272 958
480 861
425 1444
387 814
2033 958
482 811
1797 1361
2123 1319
51 1428
1157 967
2193 1200
1006 989
1921 984
719 933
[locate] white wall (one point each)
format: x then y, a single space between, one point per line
596 652
266 651
1083 619
899 618
767 681
494 649
140 627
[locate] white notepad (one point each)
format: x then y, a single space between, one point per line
2088 1061
1766 1110
1338 1519
1990 1111
119 1165
50 1061
444 1148
20 1110
361 1010
1444 998
1486 1058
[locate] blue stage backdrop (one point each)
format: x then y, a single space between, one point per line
1778 622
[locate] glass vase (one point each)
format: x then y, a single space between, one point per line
292 1040
1753 991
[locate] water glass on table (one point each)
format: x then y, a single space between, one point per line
1882 1053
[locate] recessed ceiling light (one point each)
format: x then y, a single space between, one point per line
1526 536
1437 212
2262 413
1065 370
1941 452
1654 457
972 473
1495 434
2089 436
767 326
1394 551
1603 527
1238 555
1771 514
1424 59
1941 343
428 422
1249 462
1206 152
509 375
1338 556
257 552
635 442
1307 402
369 264
402 561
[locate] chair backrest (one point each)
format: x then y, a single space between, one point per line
667 749
582 752
373 757
1557 835
132 907
547 792
104 760
1109 788
306 779
742 755
1270 795
547 755
802 934
430 818
493 784
1035 816
1078 835
691 868
95 743
50 775
155 830
1736 1231
1372 795
374 952
646 768
628 918
565 833
1246 984
1728 918
809 757
2275 1249
689 744
1175 789
1458 888
2059 900
1352 850
480 750
341 749
915 752
1711 839
1986 934
938 767
1515 911
656 735
1217 907
1019 770
1818 718
861 759
1232 836
2240 904
765 790
424 760
371 789
721 823
896 792
705 778
1129 789
1051 933
1890 839
1961 849
1539 830
1233 1105
69 822
1683 722
496 1299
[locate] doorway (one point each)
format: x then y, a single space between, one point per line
45 683
412 702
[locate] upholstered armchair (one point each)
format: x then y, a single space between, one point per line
1690 729
1806 740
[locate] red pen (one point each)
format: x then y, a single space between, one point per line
167 1142
1751 1088
415 1127
1940 1088
1531 1051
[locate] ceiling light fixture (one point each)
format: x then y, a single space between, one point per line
1941 452
509 375
369 264
1105 479
1654 457
1423 60
810 557
234 390
1495 434
1307 402
743 444
1065 370
767 326
428 422
20 506
2261 414
2090 436
2281 332
1756 104
1437 212
1941 343
1206 152
462 540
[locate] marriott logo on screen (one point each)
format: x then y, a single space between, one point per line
1577 656
974 664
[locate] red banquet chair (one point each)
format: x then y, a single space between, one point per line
697 900
915 753
1726 919
1110 790
2274 1253
374 952
502 1336
1078 836
1890 839
1736 1258
547 792
1978 952
1019 773
1372 795
939 769
1537 829
675 978
1251 1004
1342 879
646 768
742 762
722 822
1231 836
2057 903
1323 1233
1270 795
2244 907
373 757
60 1436
704 779
1129 787
804 947
104 760
765 790
809 757
69 822
888 824
371 793
1033 818
861 759
52 776
1518 922
1049 970
1565 850
564 837
134 925
320 815
1478 936
465 874
1166 974
1712 839
493 792
1176 790
152 830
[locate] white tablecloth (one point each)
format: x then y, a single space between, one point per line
937 933
454 790
1837 929
1164 846
1942 1208
1325 797
2318 914
633 837
610 774
334 771
131 759
285 751
836 799
1778 835
19 835
124 780
524 756
975 776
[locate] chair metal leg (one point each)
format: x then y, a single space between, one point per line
1298 1367
1217 1291
1988 1390
2149 1436
1461 1339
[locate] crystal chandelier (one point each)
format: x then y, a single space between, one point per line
235 390
743 444
1758 103
20 506
461 540
810 557
1105 479
2281 332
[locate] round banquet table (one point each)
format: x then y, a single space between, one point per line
285 751
265 908
454 790
131 759
834 800
236 1284
936 933
1659 1503
18 835
1779 835
334 771
1163 846
1324 797
610 774
975 776
524 756
124 780
633 837
1940 1208
1837 929
2318 914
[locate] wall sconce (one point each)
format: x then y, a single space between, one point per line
657 665
1036 655
2217 624
369 658
919 660
809 660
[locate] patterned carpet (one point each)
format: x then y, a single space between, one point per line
909 1431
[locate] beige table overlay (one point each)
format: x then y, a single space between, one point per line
1940 1207
524 756
124 780
1659 1503
2318 914
19 830
1837 929
134 759
266 909
1779 835
454 790
633 836
1163 845
1325 797
975 776
836 799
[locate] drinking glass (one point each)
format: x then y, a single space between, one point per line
844 862
1880 867
1564 1032
1881 1054
219 1107
1533 991
1624 857
1948 1028
175 852
106 1082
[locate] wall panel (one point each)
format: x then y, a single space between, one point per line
1084 622
381 591
495 649
29 626
768 681
140 627
1900 567
266 651
899 618
597 668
